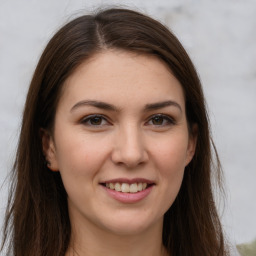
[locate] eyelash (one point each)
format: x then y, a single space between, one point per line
87 120
167 120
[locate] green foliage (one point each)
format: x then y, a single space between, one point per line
247 249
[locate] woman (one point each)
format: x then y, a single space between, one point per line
114 156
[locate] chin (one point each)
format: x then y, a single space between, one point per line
128 227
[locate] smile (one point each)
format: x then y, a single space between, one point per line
127 188
128 191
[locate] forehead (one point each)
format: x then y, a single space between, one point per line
119 77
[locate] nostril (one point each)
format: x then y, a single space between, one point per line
130 161
129 149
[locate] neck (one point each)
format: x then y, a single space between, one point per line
90 240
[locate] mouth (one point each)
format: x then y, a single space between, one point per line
128 190
126 187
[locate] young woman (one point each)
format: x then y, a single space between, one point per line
114 156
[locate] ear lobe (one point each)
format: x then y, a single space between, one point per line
49 150
192 144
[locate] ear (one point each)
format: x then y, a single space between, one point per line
192 143
49 150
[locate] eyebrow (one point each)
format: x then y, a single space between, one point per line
107 106
94 103
163 104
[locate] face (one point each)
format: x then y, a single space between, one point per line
120 142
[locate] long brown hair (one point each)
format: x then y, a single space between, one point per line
37 221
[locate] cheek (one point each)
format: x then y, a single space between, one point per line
80 155
171 168
170 161
171 153
79 163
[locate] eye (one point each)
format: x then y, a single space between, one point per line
94 120
160 120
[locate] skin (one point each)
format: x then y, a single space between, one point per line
129 141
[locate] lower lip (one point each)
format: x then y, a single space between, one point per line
128 197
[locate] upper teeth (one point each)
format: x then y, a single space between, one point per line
127 188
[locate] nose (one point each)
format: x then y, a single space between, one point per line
129 148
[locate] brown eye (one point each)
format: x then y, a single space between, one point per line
157 120
161 120
94 120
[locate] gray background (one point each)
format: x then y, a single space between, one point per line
220 37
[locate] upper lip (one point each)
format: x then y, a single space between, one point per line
129 181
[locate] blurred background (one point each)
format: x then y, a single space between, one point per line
220 37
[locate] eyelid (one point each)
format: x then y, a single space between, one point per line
171 120
86 119
166 118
